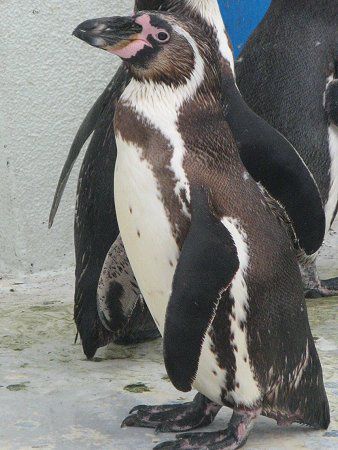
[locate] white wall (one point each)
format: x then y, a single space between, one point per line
48 81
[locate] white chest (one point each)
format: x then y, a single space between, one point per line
145 228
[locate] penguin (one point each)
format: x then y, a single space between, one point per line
214 263
269 158
286 69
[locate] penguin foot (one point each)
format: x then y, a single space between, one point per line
165 418
331 285
314 287
233 437
325 288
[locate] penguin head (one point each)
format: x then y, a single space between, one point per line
155 46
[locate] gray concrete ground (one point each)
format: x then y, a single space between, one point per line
52 398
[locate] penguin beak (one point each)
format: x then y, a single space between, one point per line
108 33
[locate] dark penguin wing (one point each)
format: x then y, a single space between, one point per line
272 161
87 127
206 267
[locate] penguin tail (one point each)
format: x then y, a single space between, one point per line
303 398
311 395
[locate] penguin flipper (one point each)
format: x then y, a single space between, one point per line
87 127
272 161
207 264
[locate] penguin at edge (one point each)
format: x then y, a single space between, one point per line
269 158
287 73
223 282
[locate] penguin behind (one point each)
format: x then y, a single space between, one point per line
269 158
222 281
284 71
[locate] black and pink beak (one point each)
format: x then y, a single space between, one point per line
108 33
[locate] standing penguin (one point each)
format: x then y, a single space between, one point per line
269 158
283 72
222 281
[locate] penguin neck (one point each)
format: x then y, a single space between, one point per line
162 101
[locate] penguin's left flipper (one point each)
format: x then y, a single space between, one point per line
273 162
331 101
207 265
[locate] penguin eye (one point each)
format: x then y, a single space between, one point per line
162 37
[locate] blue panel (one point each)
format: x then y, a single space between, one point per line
241 17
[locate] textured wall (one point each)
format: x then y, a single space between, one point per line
48 81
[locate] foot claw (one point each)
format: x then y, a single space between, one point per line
129 421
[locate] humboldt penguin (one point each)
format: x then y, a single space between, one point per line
214 263
284 71
268 157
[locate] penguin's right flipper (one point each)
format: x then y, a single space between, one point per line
87 127
207 264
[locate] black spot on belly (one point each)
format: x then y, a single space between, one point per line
130 210
237 385
214 372
171 263
138 233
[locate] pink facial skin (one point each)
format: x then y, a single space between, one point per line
140 41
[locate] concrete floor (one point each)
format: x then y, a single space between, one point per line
52 398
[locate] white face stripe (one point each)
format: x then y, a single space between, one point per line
333 193
160 105
210 12
248 392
